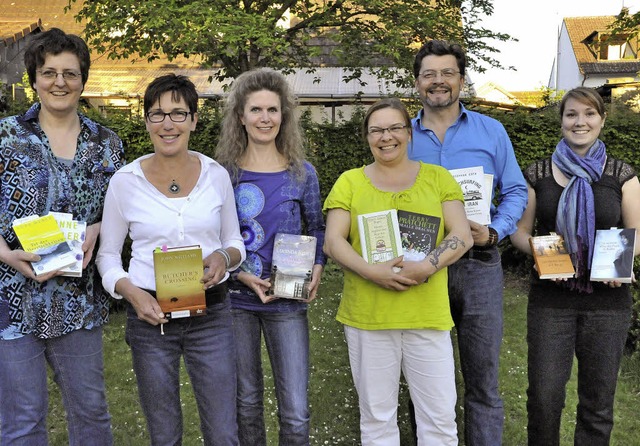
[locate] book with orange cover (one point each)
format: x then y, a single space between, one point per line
177 274
551 256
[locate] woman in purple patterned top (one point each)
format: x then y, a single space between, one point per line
276 191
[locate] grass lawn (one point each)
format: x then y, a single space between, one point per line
334 404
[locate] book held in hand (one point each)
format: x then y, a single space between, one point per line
178 272
292 266
475 187
613 255
43 236
418 234
551 256
75 233
380 236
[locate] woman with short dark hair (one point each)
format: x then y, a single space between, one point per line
53 158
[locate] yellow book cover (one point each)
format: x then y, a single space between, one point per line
177 274
551 256
43 236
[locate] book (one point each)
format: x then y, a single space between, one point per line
551 256
477 200
379 236
43 236
292 266
613 255
418 234
75 234
178 271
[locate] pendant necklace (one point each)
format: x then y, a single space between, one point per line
174 187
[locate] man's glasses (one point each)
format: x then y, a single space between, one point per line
395 130
67 75
447 73
175 116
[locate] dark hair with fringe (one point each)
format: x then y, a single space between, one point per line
179 86
54 42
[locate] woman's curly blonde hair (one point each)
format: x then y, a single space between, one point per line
233 136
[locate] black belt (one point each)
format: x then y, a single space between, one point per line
214 295
479 253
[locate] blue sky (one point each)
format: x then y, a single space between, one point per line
536 25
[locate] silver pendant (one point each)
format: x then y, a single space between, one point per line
174 187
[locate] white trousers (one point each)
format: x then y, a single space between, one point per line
425 357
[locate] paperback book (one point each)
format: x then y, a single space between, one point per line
43 236
75 233
178 272
418 234
380 236
551 257
613 255
477 199
292 266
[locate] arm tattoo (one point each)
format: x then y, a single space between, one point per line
445 244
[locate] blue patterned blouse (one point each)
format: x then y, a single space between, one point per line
34 181
269 203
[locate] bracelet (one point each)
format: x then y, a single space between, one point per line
226 256
493 238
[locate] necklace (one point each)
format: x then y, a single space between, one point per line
174 187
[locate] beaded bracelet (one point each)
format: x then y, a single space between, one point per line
225 255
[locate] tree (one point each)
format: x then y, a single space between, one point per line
626 24
245 34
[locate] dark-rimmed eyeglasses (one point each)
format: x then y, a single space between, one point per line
379 131
175 116
67 75
447 73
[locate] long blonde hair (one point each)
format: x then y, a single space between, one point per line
233 136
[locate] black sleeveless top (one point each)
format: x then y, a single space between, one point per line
607 194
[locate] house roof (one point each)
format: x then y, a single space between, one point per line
579 30
12 31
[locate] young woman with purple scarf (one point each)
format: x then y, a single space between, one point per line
574 192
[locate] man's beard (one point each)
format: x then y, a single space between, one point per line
440 103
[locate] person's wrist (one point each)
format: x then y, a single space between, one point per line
493 238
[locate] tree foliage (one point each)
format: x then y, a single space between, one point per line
245 34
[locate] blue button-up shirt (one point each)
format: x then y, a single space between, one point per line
477 140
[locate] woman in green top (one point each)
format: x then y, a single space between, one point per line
396 313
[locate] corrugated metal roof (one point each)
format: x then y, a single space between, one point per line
325 83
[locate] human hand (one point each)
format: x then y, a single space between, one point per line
417 271
21 260
257 285
316 274
147 308
214 269
90 238
384 274
480 233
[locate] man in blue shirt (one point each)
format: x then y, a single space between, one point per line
447 134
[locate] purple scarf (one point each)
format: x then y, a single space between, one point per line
575 219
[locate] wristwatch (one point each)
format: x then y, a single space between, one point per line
493 238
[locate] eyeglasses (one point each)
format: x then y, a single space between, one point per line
67 75
175 116
430 75
393 130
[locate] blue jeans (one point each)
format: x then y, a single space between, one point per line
597 339
286 336
76 360
475 292
206 343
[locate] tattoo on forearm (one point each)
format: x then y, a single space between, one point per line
445 244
